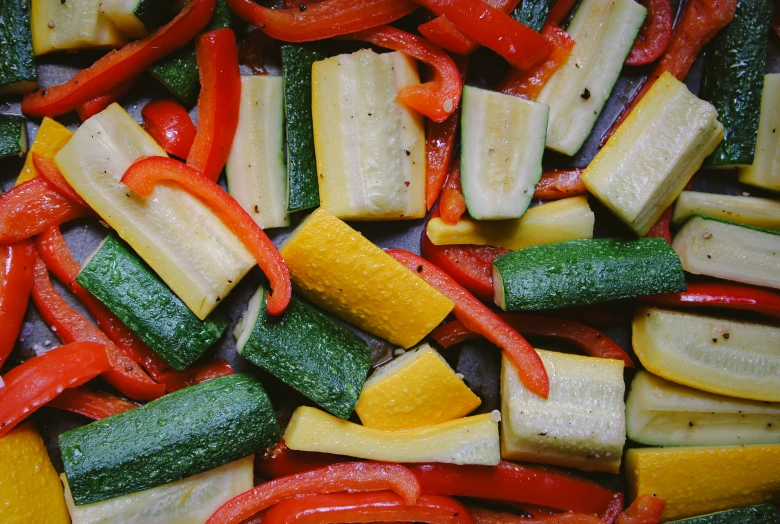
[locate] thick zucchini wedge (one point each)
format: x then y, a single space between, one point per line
728 357
559 221
178 236
581 272
50 138
193 499
765 170
370 148
74 24
470 440
137 18
307 350
17 62
533 13
304 191
662 413
582 423
174 437
502 143
135 294
733 78
653 154
763 514
13 136
750 211
256 174
715 248
604 31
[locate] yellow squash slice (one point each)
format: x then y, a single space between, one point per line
51 137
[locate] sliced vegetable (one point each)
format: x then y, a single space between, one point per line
604 31
444 34
178 236
452 204
751 211
50 138
303 189
92 107
557 184
136 18
560 10
708 246
370 147
359 283
13 136
533 13
662 413
255 169
179 435
77 24
655 34
722 295
763 514
170 125
733 79
646 508
280 461
16 280
307 350
469 440
662 227
651 157
764 171
694 481
176 380
498 178
48 170
18 73
729 357
412 391
567 219
32 384
192 499
92 404
582 272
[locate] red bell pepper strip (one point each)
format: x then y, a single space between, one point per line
120 67
170 125
520 45
443 33
281 461
511 482
591 341
452 205
99 103
252 51
33 207
91 404
124 374
662 227
559 11
30 385
17 262
528 84
49 169
614 509
722 295
558 184
654 36
218 103
437 98
477 317
143 175
346 476
322 19
646 509
382 506
176 380
700 22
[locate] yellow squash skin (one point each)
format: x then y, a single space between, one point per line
335 267
700 480
30 490
50 138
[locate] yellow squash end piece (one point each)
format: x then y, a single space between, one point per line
50 138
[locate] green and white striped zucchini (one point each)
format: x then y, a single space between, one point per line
137 18
17 61
13 136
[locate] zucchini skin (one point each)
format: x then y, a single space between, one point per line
763 514
153 13
17 61
581 272
13 136
312 353
132 291
303 188
176 436
533 13
734 78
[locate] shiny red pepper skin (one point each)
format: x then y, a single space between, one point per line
92 404
721 295
439 97
281 461
560 10
654 36
486 516
120 67
170 125
557 184
32 384
176 380
646 509
48 169
662 227
17 262
99 103
452 205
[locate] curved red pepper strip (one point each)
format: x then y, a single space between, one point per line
646 509
170 125
56 254
121 66
444 34
321 20
528 84
143 175
557 184
346 476
437 98
367 507
614 509
48 169
700 22
99 103
91 404
662 227
124 374
559 11
654 36
477 317
176 380
16 280
30 385
218 102
281 461
33 207
452 205
721 295
520 45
